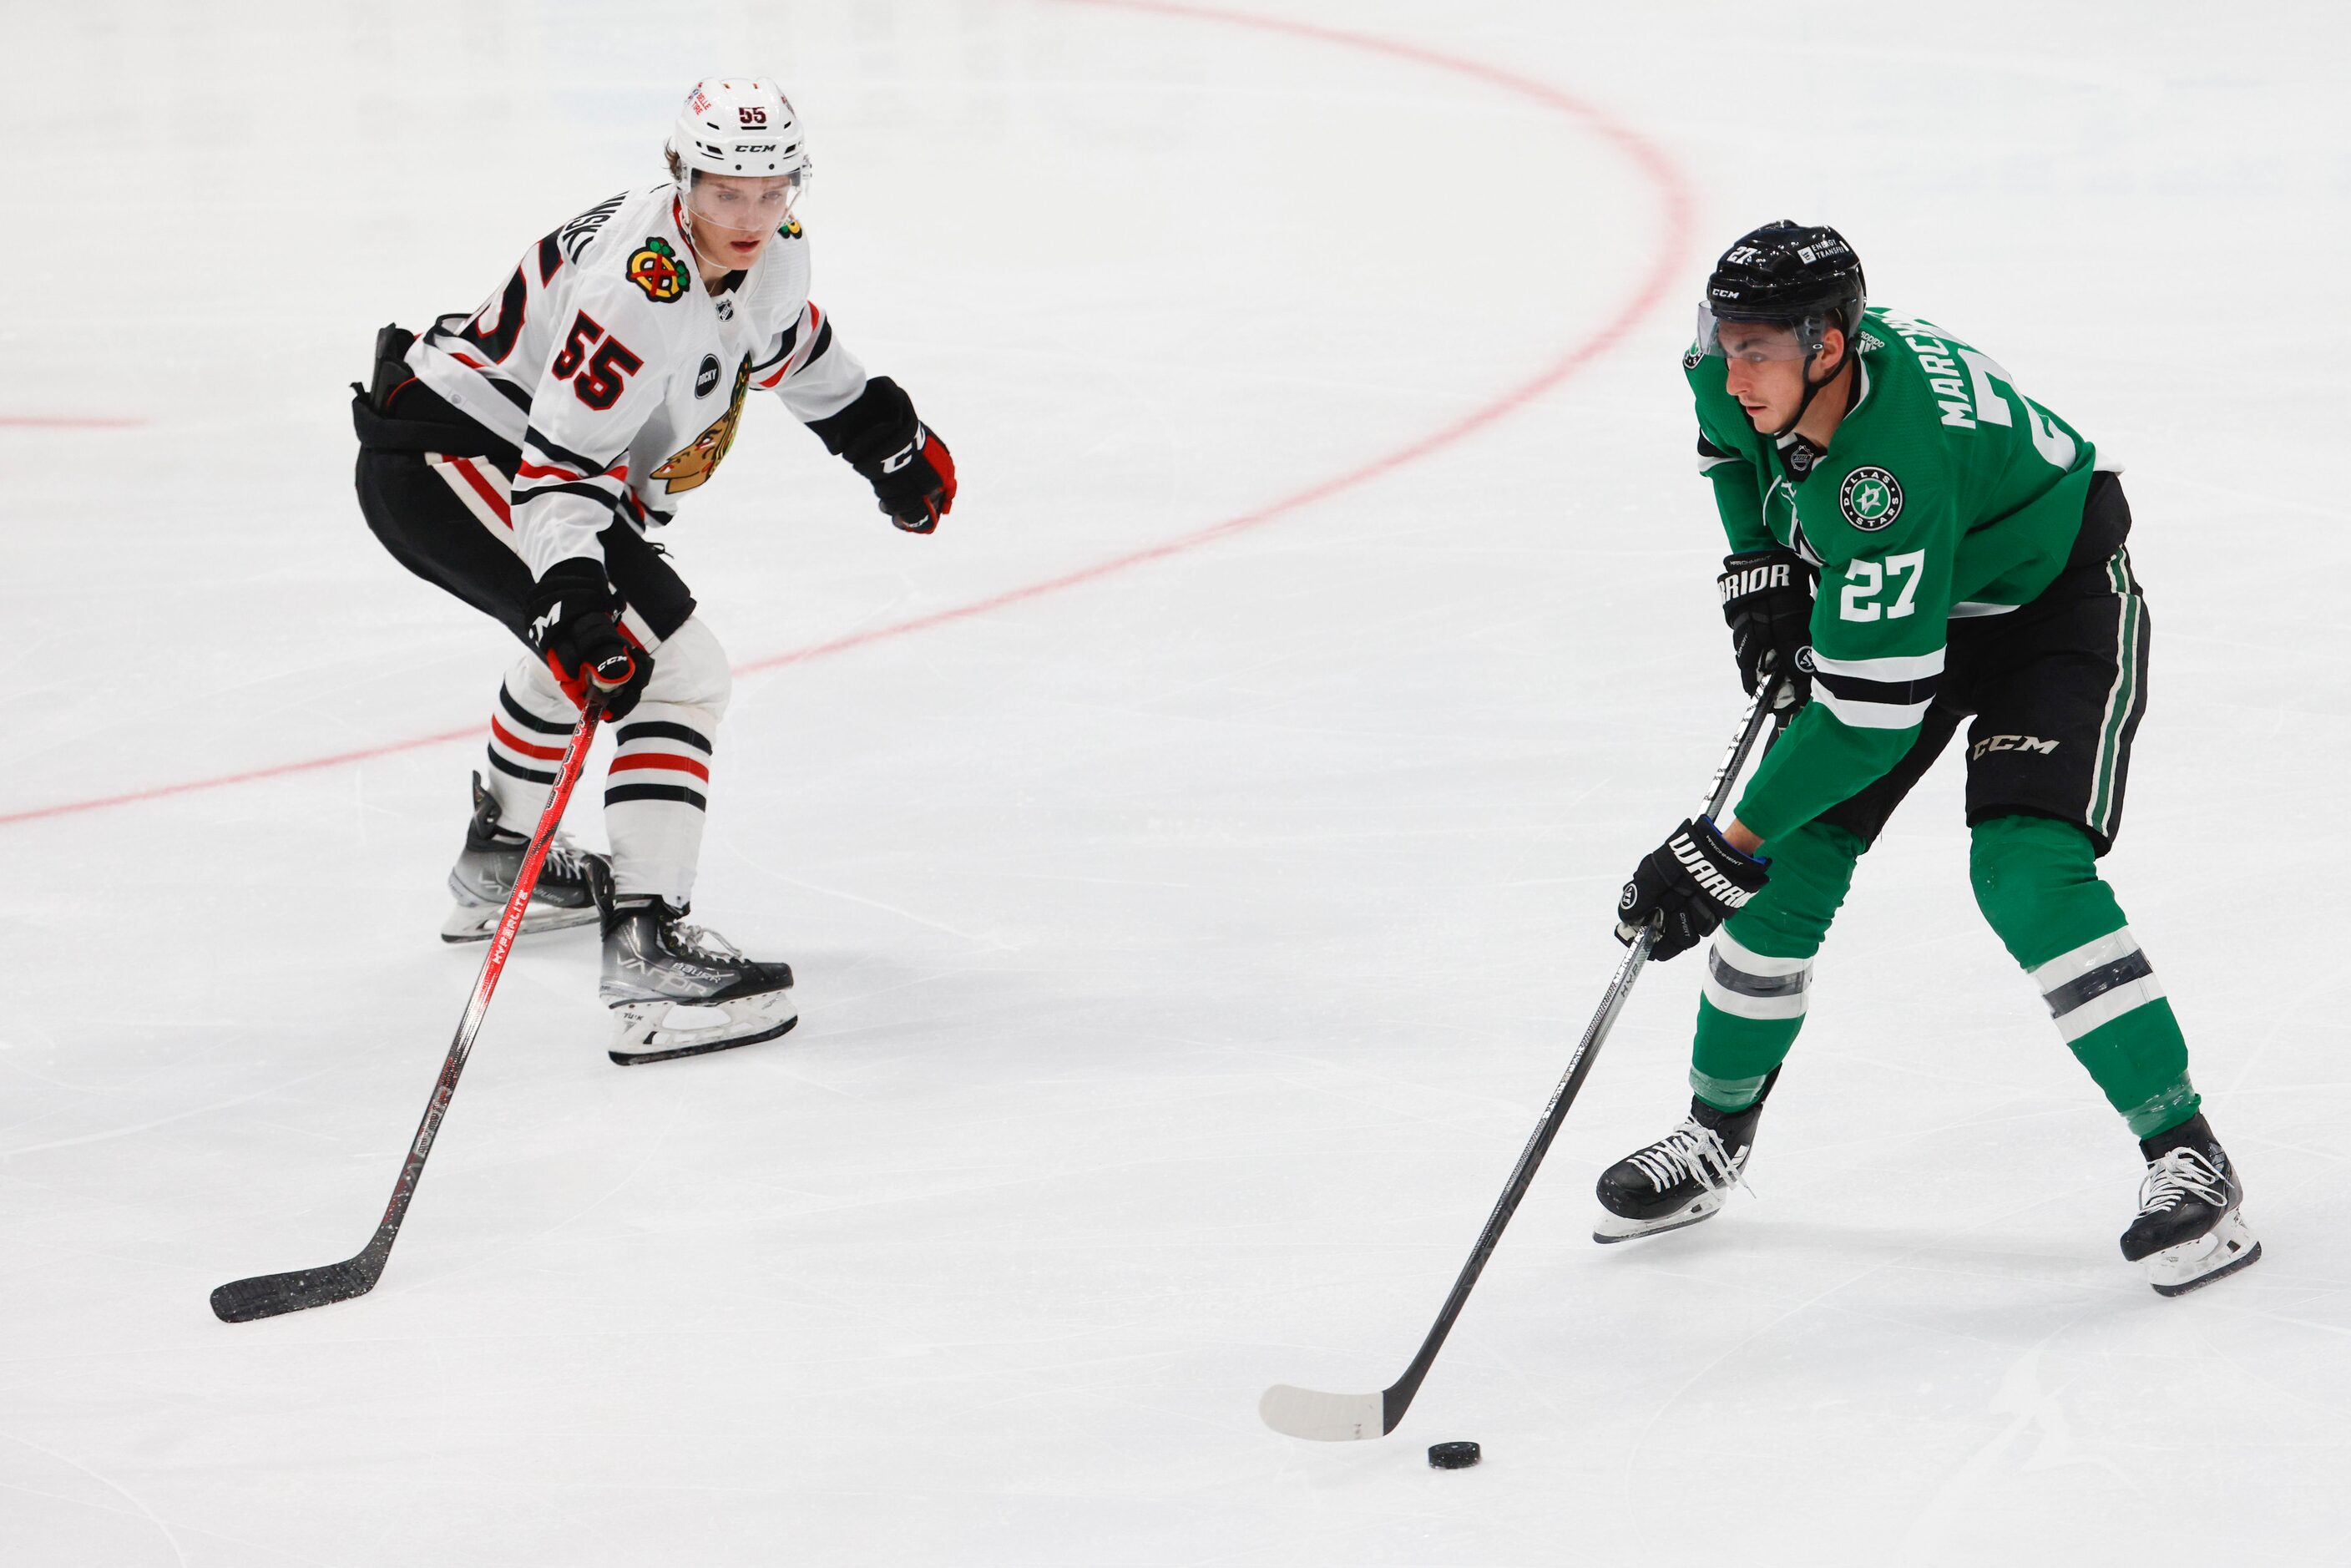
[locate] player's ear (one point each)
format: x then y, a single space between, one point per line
1831 355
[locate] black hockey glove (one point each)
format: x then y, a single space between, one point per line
911 470
1766 597
575 627
1686 887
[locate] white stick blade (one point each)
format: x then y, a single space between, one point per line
1324 1417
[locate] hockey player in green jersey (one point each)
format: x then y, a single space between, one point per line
1968 550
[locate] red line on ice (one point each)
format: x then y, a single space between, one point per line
1663 176
70 420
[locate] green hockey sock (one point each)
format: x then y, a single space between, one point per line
2036 881
1759 970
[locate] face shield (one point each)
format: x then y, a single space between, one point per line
1755 342
743 204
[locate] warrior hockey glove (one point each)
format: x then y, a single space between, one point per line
1686 887
1766 597
911 470
575 627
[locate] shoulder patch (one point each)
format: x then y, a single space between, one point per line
1691 357
1871 498
654 266
791 229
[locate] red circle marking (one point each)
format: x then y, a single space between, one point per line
1663 177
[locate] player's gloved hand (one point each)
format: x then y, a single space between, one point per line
1766 597
1686 887
575 627
911 470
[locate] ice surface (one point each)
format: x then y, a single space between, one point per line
1186 952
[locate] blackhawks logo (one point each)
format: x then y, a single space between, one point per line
655 268
1871 499
695 463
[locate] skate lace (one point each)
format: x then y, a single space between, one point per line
2177 1177
701 942
564 858
1689 1150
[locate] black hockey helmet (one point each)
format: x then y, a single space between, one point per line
1805 277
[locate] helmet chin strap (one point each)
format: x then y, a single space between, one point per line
704 264
1813 389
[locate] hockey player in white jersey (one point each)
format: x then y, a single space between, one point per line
517 456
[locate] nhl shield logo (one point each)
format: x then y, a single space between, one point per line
1871 498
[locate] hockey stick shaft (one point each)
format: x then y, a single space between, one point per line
1304 1414
242 1300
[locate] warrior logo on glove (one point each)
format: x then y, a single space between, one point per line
1686 887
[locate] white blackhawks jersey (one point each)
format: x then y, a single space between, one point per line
620 377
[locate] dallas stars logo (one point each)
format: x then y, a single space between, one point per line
1871 498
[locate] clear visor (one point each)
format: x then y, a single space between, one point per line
1753 341
744 203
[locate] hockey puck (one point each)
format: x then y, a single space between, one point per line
1453 1456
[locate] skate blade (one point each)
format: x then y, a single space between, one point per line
479 923
2215 1254
644 1031
1613 1228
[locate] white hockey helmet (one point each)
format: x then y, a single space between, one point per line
740 126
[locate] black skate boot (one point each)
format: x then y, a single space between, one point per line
655 964
1684 1176
484 878
2190 1228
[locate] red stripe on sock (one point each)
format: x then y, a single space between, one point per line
659 759
512 742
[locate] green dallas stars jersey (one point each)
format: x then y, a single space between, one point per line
1946 493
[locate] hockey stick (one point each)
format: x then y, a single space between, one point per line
268 1295
1341 1418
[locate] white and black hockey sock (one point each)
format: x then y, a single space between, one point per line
528 729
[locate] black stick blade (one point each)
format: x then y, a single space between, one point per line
273 1295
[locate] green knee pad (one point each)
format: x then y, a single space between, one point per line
2036 881
1811 869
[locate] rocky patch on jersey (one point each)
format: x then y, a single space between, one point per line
654 266
705 376
694 463
1871 499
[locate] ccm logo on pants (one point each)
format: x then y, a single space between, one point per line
2011 743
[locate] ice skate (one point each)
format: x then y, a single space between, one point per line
484 878
2190 1228
1681 1178
680 990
